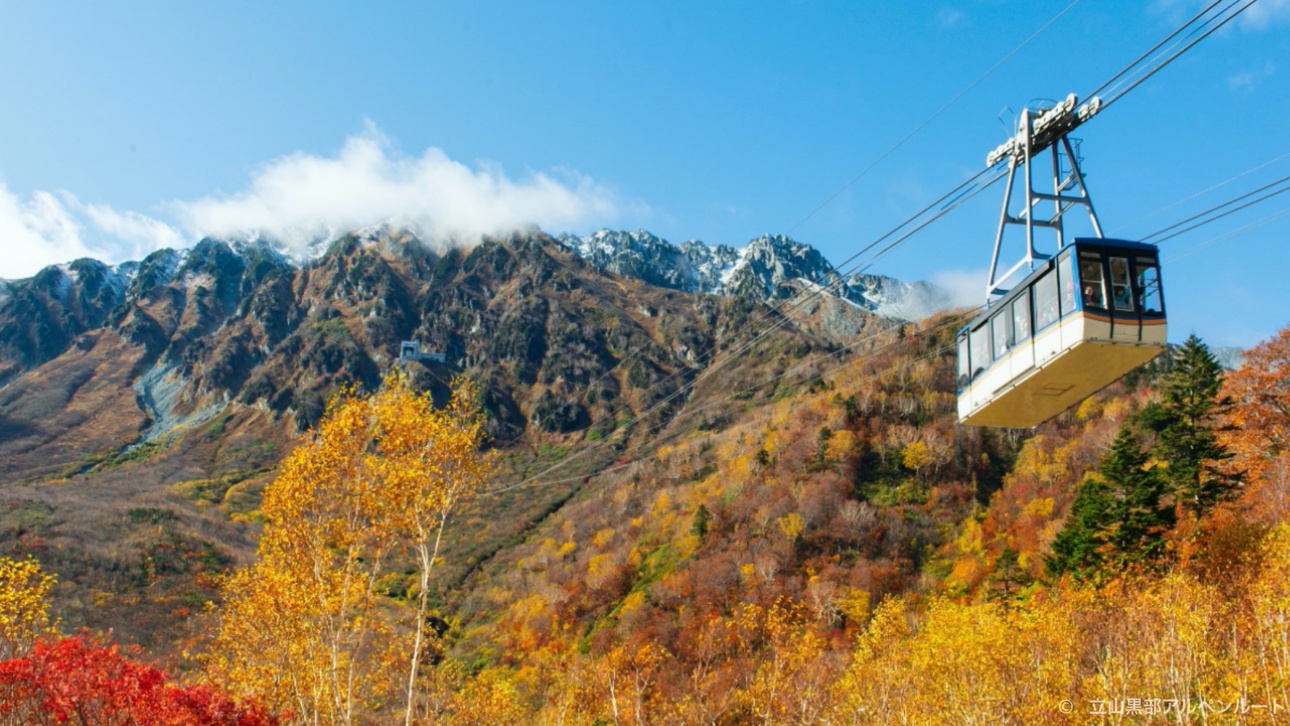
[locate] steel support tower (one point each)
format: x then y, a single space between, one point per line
1039 130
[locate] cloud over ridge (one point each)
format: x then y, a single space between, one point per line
37 232
302 198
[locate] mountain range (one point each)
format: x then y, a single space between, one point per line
164 392
768 268
242 320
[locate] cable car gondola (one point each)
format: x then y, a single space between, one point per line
1077 320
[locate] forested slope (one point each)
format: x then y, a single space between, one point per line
802 534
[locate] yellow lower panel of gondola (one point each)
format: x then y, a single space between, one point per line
1063 381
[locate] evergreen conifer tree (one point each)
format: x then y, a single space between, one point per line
1079 549
1007 575
699 525
1118 519
1188 440
1142 514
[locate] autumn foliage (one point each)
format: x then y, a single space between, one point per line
24 606
83 681
311 626
1256 428
840 552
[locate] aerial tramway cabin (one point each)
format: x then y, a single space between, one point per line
1078 322
1056 328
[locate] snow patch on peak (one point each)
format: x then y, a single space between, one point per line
373 234
893 298
65 278
126 270
770 267
728 264
72 274
1229 357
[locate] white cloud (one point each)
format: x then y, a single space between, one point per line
37 232
302 198
966 287
1259 16
50 228
949 17
141 233
1265 13
1248 80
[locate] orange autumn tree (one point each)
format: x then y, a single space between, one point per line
1256 428
306 627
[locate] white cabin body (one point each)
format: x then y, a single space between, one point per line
1077 323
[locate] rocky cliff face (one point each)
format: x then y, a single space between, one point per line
558 344
43 314
136 351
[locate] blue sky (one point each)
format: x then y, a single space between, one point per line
132 125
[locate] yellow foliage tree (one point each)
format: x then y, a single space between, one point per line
964 663
305 628
427 460
841 445
915 455
24 608
875 688
489 698
1270 619
791 525
625 676
1167 638
855 605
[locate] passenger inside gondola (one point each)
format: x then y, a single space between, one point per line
1090 272
1148 289
1120 290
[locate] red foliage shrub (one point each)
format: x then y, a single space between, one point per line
82 681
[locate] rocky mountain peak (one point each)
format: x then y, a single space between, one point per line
768 268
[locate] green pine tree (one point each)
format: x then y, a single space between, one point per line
1080 547
1188 439
1007 575
1119 519
1142 516
699 525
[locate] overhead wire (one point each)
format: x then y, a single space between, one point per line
1112 98
897 242
780 321
931 118
964 192
1125 70
1231 234
1202 192
1208 216
1133 82
890 150
782 312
